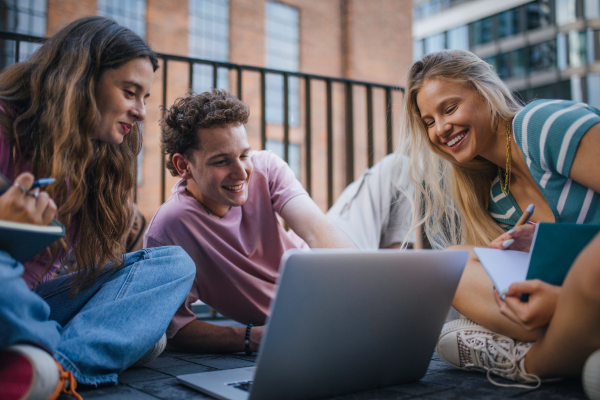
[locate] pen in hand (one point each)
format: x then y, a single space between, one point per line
40 183
524 298
526 215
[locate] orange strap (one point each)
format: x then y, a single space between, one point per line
66 383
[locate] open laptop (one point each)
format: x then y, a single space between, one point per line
345 321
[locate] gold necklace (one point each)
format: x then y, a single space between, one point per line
201 203
505 186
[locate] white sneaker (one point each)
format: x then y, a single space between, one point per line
467 345
28 372
591 376
153 352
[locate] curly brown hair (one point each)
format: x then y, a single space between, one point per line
181 122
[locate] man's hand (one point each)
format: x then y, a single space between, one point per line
521 236
17 204
204 337
538 311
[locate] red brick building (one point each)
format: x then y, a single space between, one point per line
355 39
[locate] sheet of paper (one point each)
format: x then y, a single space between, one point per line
503 266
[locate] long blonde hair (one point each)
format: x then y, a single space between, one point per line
50 116
451 198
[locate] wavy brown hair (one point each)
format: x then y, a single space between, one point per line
453 196
182 120
50 117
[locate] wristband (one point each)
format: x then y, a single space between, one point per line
247 342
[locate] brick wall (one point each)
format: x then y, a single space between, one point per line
357 39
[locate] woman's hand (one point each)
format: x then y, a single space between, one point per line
521 237
17 204
538 311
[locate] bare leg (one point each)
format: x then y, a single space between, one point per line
574 332
474 299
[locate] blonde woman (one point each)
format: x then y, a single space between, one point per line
478 157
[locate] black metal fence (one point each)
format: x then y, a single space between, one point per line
308 80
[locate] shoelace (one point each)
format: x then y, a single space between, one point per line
67 384
501 361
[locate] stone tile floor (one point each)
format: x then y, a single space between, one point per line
156 380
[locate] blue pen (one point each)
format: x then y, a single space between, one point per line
40 183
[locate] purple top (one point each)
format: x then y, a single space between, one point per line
237 257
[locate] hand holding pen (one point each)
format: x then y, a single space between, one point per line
519 237
19 203
38 184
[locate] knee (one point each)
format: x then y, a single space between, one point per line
179 264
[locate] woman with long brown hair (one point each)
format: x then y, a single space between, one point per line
73 112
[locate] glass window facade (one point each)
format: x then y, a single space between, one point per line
566 11
593 94
283 53
559 90
27 17
208 38
591 8
542 57
509 23
538 14
129 13
481 31
458 38
577 48
435 43
417 50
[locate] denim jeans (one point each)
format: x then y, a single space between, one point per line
106 327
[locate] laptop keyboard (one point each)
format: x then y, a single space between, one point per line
245 385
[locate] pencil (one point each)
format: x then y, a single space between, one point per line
526 215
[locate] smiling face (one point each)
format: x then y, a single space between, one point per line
458 121
220 170
121 94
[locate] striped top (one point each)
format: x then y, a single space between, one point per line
548 132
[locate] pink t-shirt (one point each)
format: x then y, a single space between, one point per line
35 271
237 257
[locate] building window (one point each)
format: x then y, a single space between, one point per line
577 49
591 46
435 43
502 65
283 53
559 90
592 8
509 23
566 11
27 17
129 13
517 63
561 51
458 38
208 38
276 146
417 50
542 56
593 83
481 31
539 14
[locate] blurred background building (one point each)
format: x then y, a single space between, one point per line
354 39
541 48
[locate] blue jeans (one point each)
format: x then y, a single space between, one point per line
106 327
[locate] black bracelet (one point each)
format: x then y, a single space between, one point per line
247 342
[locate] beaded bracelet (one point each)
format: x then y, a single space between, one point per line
247 342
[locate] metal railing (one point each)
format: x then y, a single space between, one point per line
308 79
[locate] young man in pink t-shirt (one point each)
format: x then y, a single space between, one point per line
224 213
